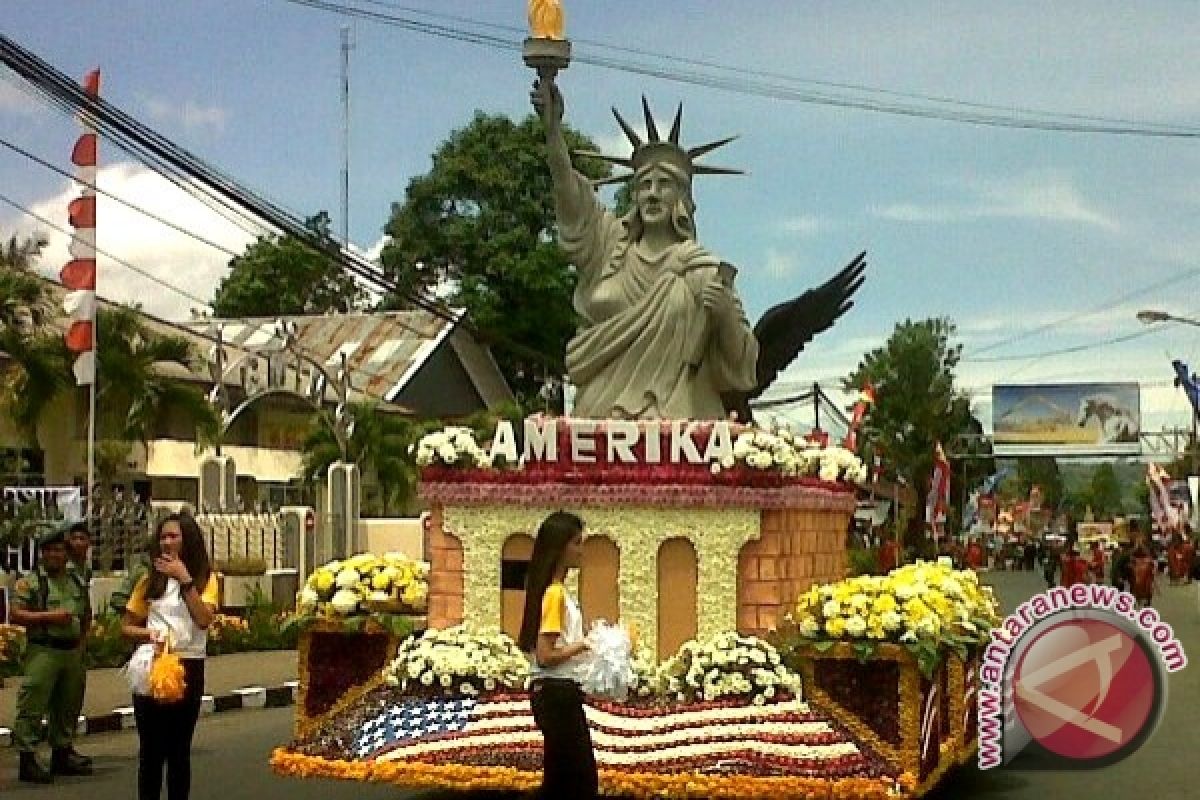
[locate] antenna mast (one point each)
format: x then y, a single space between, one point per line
347 45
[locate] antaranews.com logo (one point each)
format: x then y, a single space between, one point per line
1080 671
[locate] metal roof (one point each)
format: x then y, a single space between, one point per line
383 349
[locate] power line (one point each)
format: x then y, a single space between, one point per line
195 176
757 73
121 200
1108 306
147 275
776 91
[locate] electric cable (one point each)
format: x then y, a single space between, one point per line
133 206
760 88
757 73
162 155
147 275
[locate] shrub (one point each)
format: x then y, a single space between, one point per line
242 566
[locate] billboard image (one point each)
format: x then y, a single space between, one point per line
1066 419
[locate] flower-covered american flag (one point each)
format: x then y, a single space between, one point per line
729 737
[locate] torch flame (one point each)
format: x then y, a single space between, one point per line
546 19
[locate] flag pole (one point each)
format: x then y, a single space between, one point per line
91 467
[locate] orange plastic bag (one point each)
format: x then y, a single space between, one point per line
167 681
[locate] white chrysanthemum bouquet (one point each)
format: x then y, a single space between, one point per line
728 665
458 661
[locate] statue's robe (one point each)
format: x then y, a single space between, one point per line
646 347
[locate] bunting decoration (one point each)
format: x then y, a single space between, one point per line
1165 515
866 399
938 501
78 276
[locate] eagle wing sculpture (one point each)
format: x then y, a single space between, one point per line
785 329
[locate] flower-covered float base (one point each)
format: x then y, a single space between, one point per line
352 615
922 725
720 749
895 658
722 718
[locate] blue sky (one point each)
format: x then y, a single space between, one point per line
1005 231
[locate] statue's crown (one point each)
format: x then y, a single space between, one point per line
656 150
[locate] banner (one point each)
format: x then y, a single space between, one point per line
1067 419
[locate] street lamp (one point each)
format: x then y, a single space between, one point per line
1150 317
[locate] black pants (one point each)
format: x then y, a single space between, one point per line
568 764
165 737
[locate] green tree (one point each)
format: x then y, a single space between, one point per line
36 354
1104 491
280 275
24 297
917 404
480 224
379 444
133 390
1040 471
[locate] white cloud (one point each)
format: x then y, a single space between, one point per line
173 257
191 115
1047 196
804 225
975 330
16 99
778 264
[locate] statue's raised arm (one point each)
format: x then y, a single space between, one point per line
586 228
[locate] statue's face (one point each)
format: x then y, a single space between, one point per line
656 195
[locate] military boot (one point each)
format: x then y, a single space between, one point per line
66 761
32 771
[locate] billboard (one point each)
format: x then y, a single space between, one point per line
1066 419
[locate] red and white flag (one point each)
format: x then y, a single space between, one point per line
1164 514
937 504
866 399
78 275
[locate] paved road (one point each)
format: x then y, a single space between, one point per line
231 750
1167 760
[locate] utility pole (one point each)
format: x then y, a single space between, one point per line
347 45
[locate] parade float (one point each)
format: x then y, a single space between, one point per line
719 546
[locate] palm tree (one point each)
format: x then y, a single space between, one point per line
37 358
132 389
379 444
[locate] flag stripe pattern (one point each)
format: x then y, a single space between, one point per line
78 276
777 738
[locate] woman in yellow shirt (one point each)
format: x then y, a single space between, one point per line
174 604
552 635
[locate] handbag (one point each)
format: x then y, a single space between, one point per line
137 671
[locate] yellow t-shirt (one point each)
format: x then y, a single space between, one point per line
554 610
561 615
169 614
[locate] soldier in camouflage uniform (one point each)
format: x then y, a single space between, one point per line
50 603
79 566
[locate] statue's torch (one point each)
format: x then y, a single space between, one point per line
547 50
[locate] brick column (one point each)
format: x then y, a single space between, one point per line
445 555
796 549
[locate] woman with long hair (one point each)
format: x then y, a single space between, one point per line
172 607
552 635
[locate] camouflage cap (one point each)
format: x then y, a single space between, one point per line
57 534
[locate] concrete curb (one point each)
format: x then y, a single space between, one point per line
247 697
